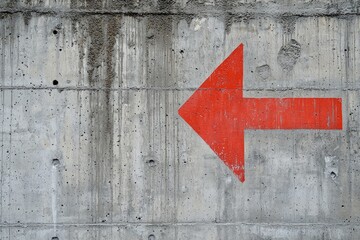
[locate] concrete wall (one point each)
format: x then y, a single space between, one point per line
104 155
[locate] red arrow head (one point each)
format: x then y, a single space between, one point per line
206 111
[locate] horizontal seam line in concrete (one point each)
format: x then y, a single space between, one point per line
2 88
25 225
127 12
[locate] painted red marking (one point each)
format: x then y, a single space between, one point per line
219 113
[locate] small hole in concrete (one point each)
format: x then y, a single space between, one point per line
55 32
55 82
54 238
151 237
55 162
333 175
151 162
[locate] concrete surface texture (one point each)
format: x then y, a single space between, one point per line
92 146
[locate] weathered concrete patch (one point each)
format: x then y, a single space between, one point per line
263 71
289 54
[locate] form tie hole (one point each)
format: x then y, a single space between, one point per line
151 162
55 162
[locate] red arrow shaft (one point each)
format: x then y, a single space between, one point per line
290 113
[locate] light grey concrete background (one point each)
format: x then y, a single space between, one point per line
127 167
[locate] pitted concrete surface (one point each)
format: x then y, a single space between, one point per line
92 146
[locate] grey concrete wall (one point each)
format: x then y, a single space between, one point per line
104 155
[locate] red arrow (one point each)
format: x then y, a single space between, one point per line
219 113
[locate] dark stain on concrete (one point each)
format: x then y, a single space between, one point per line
101 48
230 19
112 30
102 31
159 51
166 4
94 4
288 23
289 54
198 7
27 18
96 51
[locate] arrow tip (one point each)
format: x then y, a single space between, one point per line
208 112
